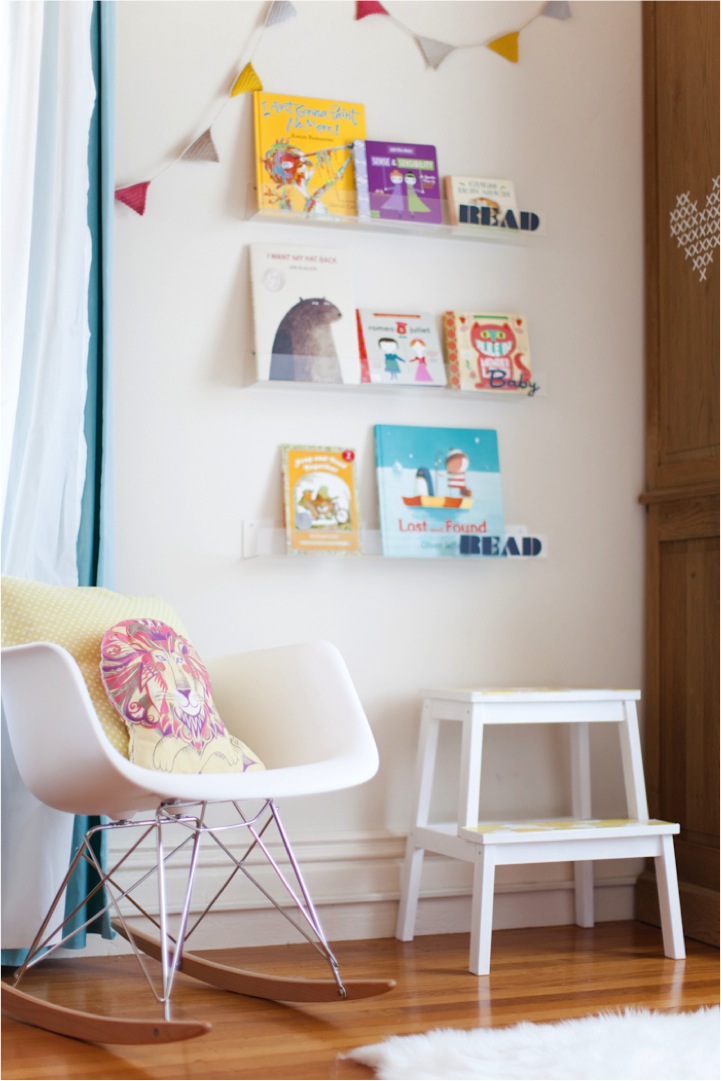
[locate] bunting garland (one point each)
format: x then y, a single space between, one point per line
434 53
134 196
203 148
507 46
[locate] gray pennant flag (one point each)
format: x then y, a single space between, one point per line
556 9
434 51
203 149
279 11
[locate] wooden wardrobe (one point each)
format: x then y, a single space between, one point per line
681 145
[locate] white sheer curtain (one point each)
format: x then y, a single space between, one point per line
48 98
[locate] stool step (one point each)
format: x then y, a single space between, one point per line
570 828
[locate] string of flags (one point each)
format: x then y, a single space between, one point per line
434 52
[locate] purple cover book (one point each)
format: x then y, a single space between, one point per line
397 181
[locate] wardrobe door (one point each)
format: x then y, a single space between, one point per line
681 122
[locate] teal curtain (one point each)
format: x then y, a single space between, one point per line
95 538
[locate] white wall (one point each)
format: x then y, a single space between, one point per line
197 452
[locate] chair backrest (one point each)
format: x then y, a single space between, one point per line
296 706
61 751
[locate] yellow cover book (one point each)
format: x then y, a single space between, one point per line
304 154
321 499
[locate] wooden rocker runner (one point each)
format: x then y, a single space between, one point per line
297 707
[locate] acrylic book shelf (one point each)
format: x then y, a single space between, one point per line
442 231
401 389
261 540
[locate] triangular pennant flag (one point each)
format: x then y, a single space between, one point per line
507 46
134 196
556 9
279 11
368 7
435 52
246 81
203 149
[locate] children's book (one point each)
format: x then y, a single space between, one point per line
488 351
439 490
397 181
304 154
321 499
305 314
401 348
475 200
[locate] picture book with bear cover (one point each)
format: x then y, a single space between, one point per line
304 314
439 490
304 154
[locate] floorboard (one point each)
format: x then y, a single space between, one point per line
539 974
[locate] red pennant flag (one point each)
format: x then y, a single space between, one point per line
368 7
134 196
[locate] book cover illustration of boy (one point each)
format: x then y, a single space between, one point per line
397 181
320 495
401 348
304 154
437 486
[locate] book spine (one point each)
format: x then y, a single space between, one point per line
362 351
452 359
258 149
360 164
450 200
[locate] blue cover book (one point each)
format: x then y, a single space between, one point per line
439 489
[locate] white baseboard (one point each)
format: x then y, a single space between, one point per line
354 880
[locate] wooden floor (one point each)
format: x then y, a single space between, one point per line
541 974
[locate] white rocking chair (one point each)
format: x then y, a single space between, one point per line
296 706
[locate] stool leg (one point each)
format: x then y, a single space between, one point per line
583 899
484 874
581 804
668 901
413 864
410 888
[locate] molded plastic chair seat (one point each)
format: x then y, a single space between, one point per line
296 706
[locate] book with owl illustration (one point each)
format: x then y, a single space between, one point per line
397 181
489 352
304 154
304 314
321 499
475 200
401 348
439 490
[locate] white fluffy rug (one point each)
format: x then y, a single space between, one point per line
635 1044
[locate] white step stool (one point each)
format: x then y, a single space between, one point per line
581 839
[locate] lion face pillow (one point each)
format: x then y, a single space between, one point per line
159 685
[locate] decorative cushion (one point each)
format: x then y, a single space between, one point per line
77 617
161 689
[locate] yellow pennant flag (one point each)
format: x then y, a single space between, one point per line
507 46
246 81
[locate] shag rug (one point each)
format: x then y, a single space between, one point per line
629 1045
